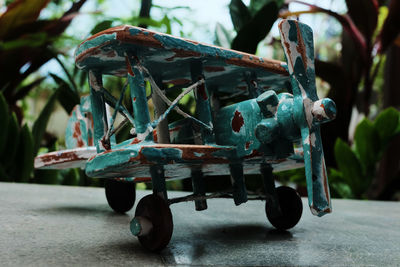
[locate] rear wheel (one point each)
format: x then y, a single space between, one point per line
291 208
120 195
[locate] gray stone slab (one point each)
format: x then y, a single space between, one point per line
58 225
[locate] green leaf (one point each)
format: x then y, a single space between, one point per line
222 36
25 156
240 15
256 29
28 40
101 26
368 145
67 96
24 90
48 177
3 121
341 190
70 177
256 5
386 124
39 127
10 149
167 22
349 166
4 177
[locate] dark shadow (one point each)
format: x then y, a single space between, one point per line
130 247
249 232
82 211
278 235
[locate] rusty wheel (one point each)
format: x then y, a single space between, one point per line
291 207
120 195
156 210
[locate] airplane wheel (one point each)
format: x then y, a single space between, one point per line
291 207
157 211
120 195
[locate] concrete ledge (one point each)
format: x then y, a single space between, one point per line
58 225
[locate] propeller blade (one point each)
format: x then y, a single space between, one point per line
297 42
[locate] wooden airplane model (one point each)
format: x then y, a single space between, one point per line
254 136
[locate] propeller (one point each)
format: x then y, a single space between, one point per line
309 111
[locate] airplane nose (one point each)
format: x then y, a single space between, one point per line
323 110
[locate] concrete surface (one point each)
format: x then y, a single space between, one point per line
59 225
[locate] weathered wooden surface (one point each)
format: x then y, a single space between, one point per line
170 57
59 225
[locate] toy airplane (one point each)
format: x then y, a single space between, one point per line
253 136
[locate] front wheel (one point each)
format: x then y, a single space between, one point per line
120 195
291 208
153 223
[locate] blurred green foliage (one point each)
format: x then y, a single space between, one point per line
357 165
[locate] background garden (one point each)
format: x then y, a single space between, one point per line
357 45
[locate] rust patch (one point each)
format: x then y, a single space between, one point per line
213 68
175 129
202 91
189 152
325 180
78 134
135 141
243 88
237 121
105 144
269 65
247 145
111 54
129 67
66 156
141 38
134 99
301 48
180 53
179 81
142 179
155 138
254 153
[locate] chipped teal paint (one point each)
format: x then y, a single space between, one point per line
79 131
297 41
238 184
135 227
199 188
158 180
266 122
98 111
161 155
139 101
204 50
203 109
97 41
252 85
236 125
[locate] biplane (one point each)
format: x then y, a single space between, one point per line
275 127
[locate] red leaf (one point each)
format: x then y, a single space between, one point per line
20 12
364 13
